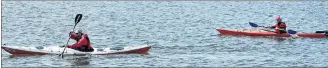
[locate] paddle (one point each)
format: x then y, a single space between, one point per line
294 32
77 20
291 32
321 31
326 32
254 25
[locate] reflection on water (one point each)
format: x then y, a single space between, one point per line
79 60
21 55
280 39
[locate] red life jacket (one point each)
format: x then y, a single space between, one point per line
281 26
80 42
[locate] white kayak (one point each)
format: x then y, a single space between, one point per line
26 50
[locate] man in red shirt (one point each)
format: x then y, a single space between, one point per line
280 26
82 41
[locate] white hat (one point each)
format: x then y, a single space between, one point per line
78 31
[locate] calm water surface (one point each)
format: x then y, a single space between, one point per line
182 32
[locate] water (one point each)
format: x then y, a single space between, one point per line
182 32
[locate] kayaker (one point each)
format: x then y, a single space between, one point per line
82 41
280 27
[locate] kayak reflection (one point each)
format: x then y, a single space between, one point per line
80 60
21 55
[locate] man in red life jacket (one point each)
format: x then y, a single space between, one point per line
82 41
280 26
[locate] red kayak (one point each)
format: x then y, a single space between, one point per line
267 33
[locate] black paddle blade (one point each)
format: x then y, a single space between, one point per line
62 56
253 24
291 32
321 31
78 18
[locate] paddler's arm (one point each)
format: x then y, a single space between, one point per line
73 45
272 27
78 44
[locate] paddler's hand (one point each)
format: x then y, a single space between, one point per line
70 32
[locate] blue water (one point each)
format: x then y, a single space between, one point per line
182 33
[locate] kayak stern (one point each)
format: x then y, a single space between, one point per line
312 35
